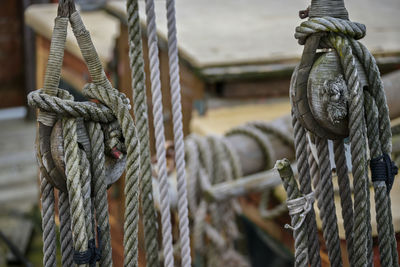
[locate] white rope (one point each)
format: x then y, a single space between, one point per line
178 135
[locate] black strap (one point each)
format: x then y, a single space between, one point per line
383 169
92 254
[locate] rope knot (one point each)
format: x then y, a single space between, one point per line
302 206
383 169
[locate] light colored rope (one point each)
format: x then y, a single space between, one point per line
100 189
326 204
159 133
142 124
184 234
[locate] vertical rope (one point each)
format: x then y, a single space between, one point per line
73 174
300 141
346 201
48 223
326 204
65 230
292 190
178 135
381 196
159 133
142 124
358 150
100 188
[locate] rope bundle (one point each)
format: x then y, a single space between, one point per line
111 131
368 120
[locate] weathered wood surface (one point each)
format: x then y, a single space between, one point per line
103 28
234 32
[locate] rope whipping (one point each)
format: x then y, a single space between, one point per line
141 119
299 228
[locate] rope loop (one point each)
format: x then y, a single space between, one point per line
302 206
351 29
383 169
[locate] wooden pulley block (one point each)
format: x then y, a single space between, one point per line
323 109
114 166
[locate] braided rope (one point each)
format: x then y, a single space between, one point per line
184 233
300 142
142 124
326 204
293 192
159 133
346 201
100 188
48 223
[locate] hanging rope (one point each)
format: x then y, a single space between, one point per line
141 119
329 27
178 135
299 230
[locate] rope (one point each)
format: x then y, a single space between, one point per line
178 135
100 188
65 230
159 133
326 204
346 201
381 197
48 223
362 122
141 119
299 230
300 141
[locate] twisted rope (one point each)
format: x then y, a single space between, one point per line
299 234
141 119
381 197
358 149
100 188
326 204
65 230
73 173
346 201
178 135
121 111
300 142
48 223
329 24
159 133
